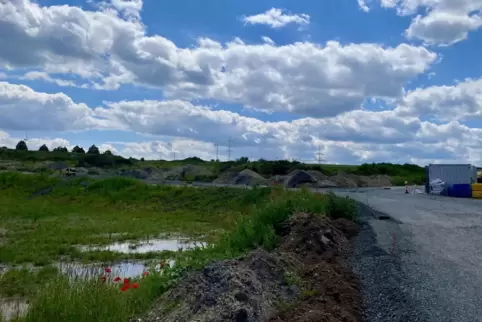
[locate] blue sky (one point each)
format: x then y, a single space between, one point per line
365 81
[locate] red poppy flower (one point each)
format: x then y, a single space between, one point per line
117 279
135 285
126 281
146 273
108 270
103 278
124 288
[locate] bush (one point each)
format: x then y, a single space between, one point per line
44 148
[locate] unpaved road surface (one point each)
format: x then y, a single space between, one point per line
423 264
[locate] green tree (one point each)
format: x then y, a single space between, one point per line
44 148
60 149
93 150
107 152
21 146
78 149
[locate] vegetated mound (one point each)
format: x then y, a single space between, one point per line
248 177
298 177
305 279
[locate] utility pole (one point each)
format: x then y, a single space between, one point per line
229 149
26 137
174 155
217 151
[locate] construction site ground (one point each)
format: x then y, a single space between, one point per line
422 263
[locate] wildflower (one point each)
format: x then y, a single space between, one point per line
135 285
103 278
124 288
108 270
117 279
126 281
146 273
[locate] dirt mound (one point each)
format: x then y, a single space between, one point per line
318 175
376 181
305 279
245 289
298 177
191 172
136 174
348 180
226 177
248 177
330 290
345 180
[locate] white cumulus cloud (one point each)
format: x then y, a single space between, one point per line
277 18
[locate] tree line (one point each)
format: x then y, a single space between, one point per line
22 146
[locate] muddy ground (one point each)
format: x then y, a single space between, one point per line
304 279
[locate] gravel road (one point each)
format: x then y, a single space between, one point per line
425 262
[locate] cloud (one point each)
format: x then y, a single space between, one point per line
461 101
107 51
363 5
444 22
268 40
47 78
443 28
21 108
277 18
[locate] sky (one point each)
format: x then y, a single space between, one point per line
347 81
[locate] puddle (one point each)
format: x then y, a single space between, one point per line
12 308
153 245
122 269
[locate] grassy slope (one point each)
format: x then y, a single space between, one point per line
40 223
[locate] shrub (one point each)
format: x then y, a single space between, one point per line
44 148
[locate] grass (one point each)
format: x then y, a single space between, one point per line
47 228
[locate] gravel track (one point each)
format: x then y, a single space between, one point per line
423 264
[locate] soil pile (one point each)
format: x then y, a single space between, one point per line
191 172
376 181
226 177
297 178
248 177
305 279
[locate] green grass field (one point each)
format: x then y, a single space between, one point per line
49 228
